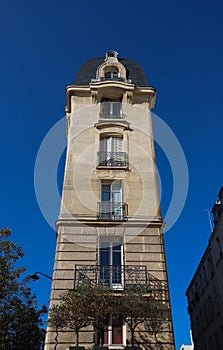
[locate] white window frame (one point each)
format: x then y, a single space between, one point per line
110 241
112 184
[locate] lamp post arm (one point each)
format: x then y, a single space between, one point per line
43 274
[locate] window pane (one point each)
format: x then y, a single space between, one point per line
116 108
103 145
104 262
116 192
116 252
104 256
111 74
105 193
117 246
105 108
116 262
117 258
116 144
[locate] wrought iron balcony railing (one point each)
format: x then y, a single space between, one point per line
113 78
113 159
111 110
112 276
112 211
120 277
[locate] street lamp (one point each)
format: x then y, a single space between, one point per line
35 276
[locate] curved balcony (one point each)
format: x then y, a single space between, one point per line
113 159
116 78
112 211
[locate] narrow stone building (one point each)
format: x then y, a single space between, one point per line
110 226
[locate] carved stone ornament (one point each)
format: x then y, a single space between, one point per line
129 97
94 96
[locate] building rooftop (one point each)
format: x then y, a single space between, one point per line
134 71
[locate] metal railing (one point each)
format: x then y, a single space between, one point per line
115 78
111 110
112 211
110 275
121 277
113 159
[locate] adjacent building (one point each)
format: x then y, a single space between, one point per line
110 226
205 292
188 347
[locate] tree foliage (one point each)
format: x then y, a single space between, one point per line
82 307
20 318
136 309
96 305
71 312
157 325
100 308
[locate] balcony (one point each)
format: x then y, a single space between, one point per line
113 78
110 275
113 159
111 110
120 277
112 211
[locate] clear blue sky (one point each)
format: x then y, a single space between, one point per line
180 46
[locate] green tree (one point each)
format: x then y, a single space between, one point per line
72 312
96 305
100 308
82 307
130 305
158 325
20 318
57 320
136 309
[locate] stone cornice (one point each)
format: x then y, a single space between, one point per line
115 123
75 221
94 87
111 83
72 89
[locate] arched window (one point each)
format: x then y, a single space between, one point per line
111 75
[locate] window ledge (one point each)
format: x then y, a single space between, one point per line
104 123
112 167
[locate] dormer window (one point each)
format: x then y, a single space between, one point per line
111 75
111 68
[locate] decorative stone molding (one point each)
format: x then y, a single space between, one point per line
94 96
111 62
111 174
129 95
151 99
112 126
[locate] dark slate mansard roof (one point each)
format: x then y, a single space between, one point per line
133 71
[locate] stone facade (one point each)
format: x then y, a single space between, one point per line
205 291
110 193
